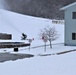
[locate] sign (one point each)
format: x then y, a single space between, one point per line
45 38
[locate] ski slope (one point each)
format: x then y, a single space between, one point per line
15 24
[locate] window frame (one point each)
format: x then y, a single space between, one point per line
73 36
73 15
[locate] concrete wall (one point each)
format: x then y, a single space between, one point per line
70 26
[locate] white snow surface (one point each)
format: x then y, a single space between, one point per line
15 24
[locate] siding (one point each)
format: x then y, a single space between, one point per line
70 26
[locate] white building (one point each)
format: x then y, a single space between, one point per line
70 24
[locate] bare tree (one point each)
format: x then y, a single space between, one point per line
49 33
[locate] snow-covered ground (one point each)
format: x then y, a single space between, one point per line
15 24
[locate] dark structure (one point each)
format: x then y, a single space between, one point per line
5 36
24 36
13 44
8 44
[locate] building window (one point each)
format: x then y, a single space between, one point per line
74 15
73 36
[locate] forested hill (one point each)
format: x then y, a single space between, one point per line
39 8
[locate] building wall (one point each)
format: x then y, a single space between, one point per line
70 26
5 36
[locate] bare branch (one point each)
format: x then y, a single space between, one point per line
49 33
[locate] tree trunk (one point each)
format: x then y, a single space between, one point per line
50 45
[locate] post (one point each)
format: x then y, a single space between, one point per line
45 39
30 41
15 49
45 47
29 48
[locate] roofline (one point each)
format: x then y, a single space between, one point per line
66 7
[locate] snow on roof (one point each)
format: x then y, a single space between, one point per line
66 7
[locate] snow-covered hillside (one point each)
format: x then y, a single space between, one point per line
16 24
54 64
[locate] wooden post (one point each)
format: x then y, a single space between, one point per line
15 49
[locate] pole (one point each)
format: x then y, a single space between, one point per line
45 47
